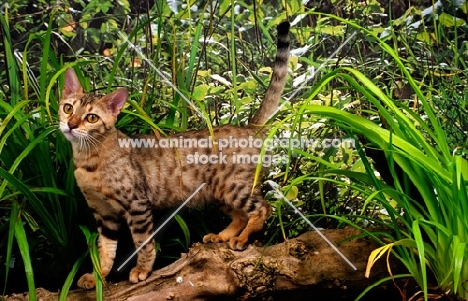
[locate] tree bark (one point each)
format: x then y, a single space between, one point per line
304 268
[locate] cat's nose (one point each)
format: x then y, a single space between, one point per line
72 125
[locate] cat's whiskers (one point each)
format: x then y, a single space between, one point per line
88 144
85 146
82 144
97 134
94 142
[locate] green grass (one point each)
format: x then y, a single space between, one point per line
351 95
434 234
29 167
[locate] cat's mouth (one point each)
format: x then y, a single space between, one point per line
70 134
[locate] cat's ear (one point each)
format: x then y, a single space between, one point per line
72 84
116 100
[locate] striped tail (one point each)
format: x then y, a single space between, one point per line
272 96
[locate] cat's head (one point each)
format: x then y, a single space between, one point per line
84 116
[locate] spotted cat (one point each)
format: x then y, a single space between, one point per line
125 183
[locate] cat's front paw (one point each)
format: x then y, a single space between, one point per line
213 238
138 274
238 243
87 281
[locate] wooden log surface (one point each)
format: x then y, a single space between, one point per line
304 268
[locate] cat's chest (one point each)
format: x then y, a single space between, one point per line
89 179
113 175
99 174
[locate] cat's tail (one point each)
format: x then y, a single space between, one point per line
272 96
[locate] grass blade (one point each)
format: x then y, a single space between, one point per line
69 281
50 225
23 245
11 234
185 229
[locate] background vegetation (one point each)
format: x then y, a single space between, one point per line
392 77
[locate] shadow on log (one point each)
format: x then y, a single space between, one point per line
304 268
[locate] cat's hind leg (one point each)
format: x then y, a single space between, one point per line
256 221
239 221
249 213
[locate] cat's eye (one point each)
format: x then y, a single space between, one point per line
68 108
92 118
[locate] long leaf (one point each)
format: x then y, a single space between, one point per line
185 229
13 80
380 136
11 234
422 261
26 152
23 245
441 137
69 281
50 225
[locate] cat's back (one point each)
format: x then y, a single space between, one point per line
173 167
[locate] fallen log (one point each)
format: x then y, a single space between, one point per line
304 268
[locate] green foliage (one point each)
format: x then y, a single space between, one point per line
69 280
91 239
30 165
195 64
436 229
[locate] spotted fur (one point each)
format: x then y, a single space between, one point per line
125 183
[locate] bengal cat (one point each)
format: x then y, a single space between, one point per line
126 183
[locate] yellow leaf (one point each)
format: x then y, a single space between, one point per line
292 193
199 92
332 30
204 73
375 255
265 70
